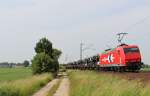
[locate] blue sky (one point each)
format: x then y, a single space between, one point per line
67 23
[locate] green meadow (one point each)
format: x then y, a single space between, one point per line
9 74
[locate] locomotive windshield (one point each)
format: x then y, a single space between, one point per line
127 50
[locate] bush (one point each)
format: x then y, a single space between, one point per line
42 63
62 68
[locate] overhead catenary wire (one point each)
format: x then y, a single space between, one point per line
137 23
133 25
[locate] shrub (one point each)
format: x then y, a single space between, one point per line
42 63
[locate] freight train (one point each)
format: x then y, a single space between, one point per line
122 58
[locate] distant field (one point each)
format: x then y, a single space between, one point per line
8 74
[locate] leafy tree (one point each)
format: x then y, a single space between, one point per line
46 59
26 63
44 45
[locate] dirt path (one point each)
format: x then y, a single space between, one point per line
44 90
63 89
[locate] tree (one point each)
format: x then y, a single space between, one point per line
44 45
56 53
46 59
26 63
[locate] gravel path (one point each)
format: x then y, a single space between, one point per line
63 89
45 89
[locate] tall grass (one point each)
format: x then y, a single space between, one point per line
85 83
24 87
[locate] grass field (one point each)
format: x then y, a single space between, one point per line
9 74
87 83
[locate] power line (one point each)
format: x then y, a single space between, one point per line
139 22
83 47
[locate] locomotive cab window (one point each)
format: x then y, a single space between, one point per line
127 50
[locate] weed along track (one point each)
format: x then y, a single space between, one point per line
144 77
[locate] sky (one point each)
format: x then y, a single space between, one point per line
67 23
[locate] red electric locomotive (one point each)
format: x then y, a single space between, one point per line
122 58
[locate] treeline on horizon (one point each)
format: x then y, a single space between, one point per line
146 66
26 63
